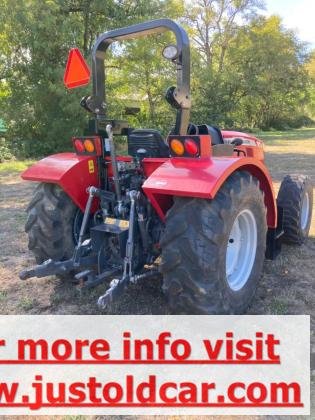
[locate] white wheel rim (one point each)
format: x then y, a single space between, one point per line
241 250
305 211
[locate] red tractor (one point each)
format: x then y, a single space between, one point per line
201 199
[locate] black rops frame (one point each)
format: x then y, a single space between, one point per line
182 91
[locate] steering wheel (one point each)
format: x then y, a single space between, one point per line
192 129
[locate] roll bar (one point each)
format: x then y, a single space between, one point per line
182 91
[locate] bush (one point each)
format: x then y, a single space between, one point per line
5 152
289 122
301 121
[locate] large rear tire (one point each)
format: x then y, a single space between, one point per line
296 198
52 223
213 250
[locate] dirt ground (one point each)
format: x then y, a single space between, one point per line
287 285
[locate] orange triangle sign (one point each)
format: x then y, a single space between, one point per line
77 71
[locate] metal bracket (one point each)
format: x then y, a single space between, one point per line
117 286
50 267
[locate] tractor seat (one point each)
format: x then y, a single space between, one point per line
214 132
150 141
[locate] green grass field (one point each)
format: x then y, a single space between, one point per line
15 166
305 133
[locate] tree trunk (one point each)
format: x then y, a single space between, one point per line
150 97
222 56
86 18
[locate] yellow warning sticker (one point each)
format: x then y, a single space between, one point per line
123 224
91 166
110 221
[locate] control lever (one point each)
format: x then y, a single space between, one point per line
92 191
109 130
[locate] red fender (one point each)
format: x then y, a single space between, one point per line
202 178
73 173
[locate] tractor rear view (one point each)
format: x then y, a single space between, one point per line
196 208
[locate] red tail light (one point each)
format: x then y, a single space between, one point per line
191 147
187 146
79 146
91 145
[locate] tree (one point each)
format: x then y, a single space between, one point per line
272 80
246 69
310 68
215 23
142 76
40 114
264 83
136 72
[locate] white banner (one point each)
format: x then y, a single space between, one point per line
176 365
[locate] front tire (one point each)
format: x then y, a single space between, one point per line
52 223
202 273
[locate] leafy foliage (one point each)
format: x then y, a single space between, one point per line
247 71
5 152
310 68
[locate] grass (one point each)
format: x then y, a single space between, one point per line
298 134
295 141
3 295
15 166
27 303
277 307
289 152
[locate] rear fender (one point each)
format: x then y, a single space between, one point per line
73 173
203 178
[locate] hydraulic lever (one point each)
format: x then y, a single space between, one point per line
93 192
109 130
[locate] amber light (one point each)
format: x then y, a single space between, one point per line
177 147
191 147
89 146
79 146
